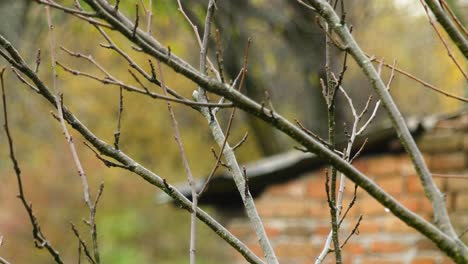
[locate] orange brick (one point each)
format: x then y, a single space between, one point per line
451 201
413 184
406 166
369 206
242 231
442 183
381 260
426 244
462 201
296 249
392 224
349 188
283 207
393 186
297 231
387 247
316 187
457 184
256 248
383 165
416 203
319 209
354 248
322 230
423 260
369 226
271 231
331 260
292 189
448 162
362 165
353 212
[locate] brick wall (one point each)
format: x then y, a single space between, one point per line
296 215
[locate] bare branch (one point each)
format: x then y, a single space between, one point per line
83 244
414 78
38 61
127 163
3 261
190 178
454 17
457 37
39 238
433 193
244 138
354 231
18 75
66 9
450 54
81 172
109 79
119 118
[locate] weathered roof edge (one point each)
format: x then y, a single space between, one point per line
292 164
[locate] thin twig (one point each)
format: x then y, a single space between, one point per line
359 151
58 99
23 80
153 48
197 35
454 17
39 238
83 244
463 232
321 140
38 61
107 163
190 178
230 157
449 51
354 231
66 9
109 79
137 19
219 56
16 60
228 129
350 205
81 172
119 118
414 78
244 138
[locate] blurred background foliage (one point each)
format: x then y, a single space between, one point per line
286 60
